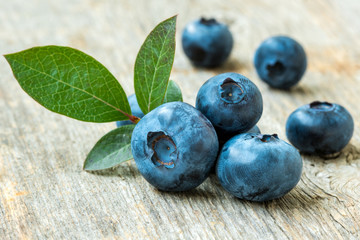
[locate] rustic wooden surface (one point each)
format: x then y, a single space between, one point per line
45 194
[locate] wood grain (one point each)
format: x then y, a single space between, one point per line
44 194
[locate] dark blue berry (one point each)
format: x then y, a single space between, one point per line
231 102
174 147
206 42
280 62
258 167
320 128
135 110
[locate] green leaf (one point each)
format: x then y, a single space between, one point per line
173 93
70 82
111 150
153 65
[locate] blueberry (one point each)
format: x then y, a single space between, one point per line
258 167
280 62
224 136
206 42
231 102
174 147
135 110
320 128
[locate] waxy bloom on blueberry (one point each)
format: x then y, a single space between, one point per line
231 102
258 167
320 128
174 147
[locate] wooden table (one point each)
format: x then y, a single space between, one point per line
45 194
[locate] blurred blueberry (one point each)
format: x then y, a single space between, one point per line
206 42
231 102
280 62
258 167
320 128
174 147
135 110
